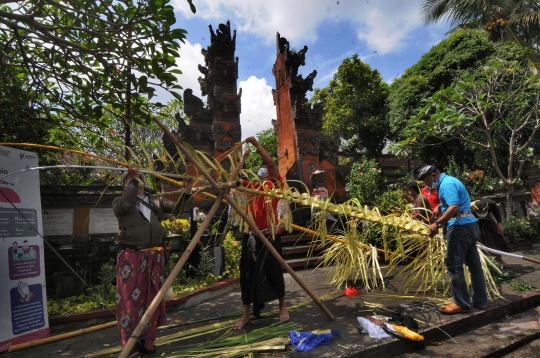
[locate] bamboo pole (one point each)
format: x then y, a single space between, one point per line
168 283
231 202
503 253
18 347
231 183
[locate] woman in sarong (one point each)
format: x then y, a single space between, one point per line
141 257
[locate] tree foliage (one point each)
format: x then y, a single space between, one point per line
268 139
460 55
495 112
365 181
80 59
18 119
355 107
514 20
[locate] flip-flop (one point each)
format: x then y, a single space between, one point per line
452 308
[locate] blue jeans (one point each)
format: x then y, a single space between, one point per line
461 249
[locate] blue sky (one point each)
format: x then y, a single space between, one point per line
388 35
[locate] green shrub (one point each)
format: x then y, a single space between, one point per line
96 297
519 230
366 181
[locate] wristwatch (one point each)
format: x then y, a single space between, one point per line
438 224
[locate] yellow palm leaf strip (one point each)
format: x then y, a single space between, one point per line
490 280
333 238
376 266
51 147
96 156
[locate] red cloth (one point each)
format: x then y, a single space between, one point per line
262 206
432 195
351 291
139 276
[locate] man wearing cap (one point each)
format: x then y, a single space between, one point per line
491 228
261 276
461 237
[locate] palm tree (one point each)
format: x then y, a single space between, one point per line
515 20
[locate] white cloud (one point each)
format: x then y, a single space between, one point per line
190 58
384 30
382 24
258 108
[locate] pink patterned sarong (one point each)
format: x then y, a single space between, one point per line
139 276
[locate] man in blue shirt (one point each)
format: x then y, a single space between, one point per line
461 236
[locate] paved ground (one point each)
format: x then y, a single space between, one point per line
346 309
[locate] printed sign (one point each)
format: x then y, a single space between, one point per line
102 221
22 275
58 222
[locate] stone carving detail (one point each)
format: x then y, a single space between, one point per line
329 149
235 131
218 132
225 145
221 72
308 142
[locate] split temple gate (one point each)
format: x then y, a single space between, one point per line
302 149
214 129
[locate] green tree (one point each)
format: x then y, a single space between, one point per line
463 53
515 20
268 140
355 107
85 58
495 112
19 121
365 181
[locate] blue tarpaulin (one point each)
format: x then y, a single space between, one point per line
306 341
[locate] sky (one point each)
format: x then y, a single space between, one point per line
388 35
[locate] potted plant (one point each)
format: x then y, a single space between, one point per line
177 230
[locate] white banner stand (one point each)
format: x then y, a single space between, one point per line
23 296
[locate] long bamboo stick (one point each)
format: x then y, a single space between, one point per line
18 347
503 253
231 202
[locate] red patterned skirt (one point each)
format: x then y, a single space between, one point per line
139 276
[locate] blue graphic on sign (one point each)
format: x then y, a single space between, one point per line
27 311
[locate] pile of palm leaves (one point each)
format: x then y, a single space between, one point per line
416 256
237 344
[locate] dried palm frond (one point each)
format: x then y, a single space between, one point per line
349 260
426 272
238 344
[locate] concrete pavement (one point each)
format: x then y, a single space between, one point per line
346 309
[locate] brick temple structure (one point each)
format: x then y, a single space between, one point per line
302 149
213 129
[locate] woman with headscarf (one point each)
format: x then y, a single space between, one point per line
491 228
